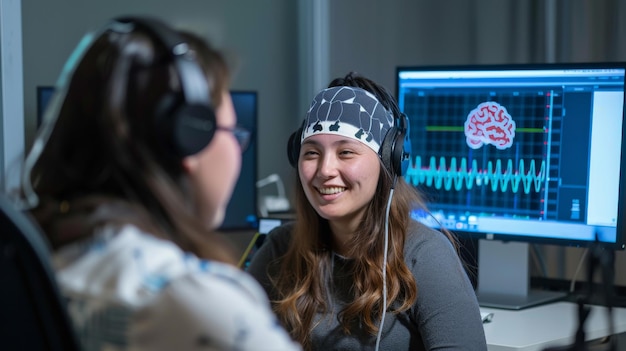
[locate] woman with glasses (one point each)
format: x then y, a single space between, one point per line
130 174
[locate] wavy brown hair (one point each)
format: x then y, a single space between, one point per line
103 151
303 279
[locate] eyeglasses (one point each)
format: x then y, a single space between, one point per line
242 135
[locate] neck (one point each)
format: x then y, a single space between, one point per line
342 234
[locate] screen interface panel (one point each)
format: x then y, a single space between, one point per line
521 151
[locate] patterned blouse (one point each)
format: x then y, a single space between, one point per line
128 290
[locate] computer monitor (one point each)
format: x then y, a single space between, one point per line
241 213
518 154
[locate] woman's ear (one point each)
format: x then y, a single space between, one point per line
190 163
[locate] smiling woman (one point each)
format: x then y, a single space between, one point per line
354 253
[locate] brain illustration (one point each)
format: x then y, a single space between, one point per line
489 123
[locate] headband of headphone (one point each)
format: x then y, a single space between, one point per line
394 151
186 124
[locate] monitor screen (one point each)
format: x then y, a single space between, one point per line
242 208
241 212
523 153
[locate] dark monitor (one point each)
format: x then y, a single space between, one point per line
518 154
241 213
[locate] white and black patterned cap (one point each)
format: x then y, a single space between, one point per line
351 112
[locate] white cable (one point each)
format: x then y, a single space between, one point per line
31 199
382 317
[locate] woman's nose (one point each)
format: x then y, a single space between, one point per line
328 165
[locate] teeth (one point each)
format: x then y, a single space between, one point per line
330 191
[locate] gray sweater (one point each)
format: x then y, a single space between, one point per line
445 316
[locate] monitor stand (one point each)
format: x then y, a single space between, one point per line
504 277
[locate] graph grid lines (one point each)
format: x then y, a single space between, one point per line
509 179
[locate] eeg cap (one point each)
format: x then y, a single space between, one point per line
350 112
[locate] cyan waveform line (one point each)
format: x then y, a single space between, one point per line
442 176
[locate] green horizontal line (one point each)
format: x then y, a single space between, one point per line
444 129
529 130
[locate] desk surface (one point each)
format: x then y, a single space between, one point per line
555 324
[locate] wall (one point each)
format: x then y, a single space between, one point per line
374 37
260 37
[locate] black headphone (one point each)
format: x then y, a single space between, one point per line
395 150
186 124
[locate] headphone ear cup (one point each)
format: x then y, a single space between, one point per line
194 127
395 150
399 157
388 151
185 129
293 147
407 148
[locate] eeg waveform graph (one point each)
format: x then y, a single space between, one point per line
440 175
497 151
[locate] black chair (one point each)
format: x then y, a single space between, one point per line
32 312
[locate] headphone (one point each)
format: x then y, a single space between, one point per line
186 124
395 150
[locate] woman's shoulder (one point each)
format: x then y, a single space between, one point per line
267 258
422 237
168 297
280 236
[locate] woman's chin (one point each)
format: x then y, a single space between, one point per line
215 219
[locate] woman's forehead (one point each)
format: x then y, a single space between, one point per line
334 141
323 138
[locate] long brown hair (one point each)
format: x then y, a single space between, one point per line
303 278
103 151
